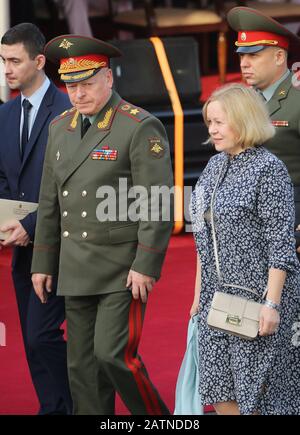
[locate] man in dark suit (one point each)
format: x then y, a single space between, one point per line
24 132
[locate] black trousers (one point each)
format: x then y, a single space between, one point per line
44 345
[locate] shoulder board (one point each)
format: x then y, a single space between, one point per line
63 115
133 112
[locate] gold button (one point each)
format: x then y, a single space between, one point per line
84 214
84 235
84 193
65 214
65 193
66 233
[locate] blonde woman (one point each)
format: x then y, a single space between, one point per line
254 222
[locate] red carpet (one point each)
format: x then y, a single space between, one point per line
163 340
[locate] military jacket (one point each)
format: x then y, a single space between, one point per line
284 109
81 182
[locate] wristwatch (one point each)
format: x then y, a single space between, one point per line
272 304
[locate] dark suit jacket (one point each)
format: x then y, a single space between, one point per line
20 180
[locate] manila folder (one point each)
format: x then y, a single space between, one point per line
10 210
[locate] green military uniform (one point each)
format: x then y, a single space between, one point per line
104 321
256 31
284 110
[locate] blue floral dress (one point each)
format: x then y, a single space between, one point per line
254 220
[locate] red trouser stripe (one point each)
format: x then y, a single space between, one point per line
134 364
151 392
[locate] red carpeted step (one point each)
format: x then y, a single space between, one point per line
17 395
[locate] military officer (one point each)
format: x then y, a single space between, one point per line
263 46
107 266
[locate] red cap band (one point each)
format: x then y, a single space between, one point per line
249 38
82 63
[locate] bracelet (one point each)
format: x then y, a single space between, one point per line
272 304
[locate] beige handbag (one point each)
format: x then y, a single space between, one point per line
229 313
235 315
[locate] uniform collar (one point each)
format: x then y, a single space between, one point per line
269 92
90 118
103 119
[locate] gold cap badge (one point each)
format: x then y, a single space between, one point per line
65 44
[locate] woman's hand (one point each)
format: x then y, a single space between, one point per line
269 321
194 309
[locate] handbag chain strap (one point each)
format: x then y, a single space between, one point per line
215 241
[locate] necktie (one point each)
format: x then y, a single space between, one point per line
85 126
25 131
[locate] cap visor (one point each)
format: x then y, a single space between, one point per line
252 49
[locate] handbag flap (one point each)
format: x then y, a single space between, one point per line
252 310
236 306
247 329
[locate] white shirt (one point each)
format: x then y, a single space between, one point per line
35 100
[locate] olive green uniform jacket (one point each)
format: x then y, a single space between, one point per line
284 109
124 142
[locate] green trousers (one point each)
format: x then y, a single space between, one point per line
103 337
